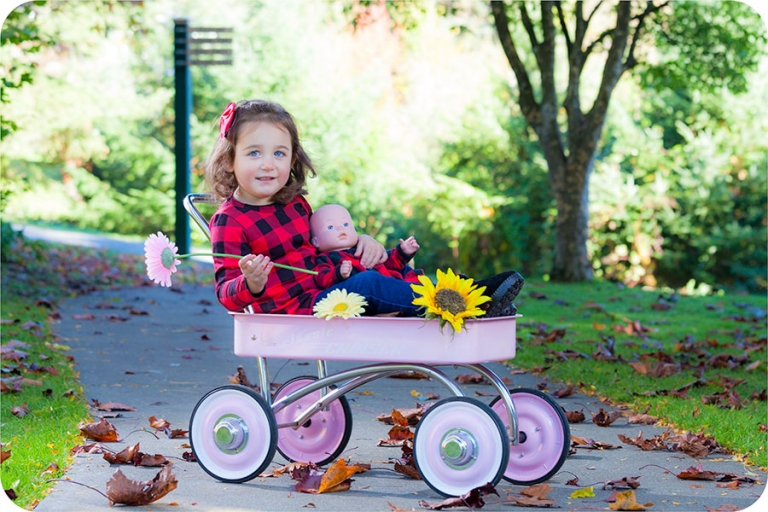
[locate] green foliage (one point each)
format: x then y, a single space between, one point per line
19 30
679 194
705 46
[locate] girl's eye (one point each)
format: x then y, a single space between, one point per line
330 228
279 153
255 152
346 224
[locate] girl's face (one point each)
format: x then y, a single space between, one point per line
263 160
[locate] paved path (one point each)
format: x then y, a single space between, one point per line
160 351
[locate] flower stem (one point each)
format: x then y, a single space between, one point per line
280 265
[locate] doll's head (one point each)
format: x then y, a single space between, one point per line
332 228
218 170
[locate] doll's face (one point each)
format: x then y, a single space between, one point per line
332 228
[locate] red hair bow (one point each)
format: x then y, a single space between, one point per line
226 119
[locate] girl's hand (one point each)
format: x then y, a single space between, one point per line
409 246
370 251
346 269
256 269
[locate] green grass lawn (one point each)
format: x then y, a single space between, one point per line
712 348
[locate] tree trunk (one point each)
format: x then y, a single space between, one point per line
569 167
572 261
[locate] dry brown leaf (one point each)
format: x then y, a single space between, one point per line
336 478
111 406
568 390
124 491
102 431
20 410
604 418
575 416
158 423
642 419
4 454
472 499
125 456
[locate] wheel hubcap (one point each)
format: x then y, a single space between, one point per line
458 448
230 434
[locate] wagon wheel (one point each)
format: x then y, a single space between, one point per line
233 434
460 444
323 436
545 437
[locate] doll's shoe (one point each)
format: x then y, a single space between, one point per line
503 289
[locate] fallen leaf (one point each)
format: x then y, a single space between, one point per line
111 406
469 378
586 492
4 454
698 473
472 499
591 444
20 410
642 419
604 418
158 423
568 390
124 491
125 456
240 378
413 415
336 476
627 481
626 501
102 431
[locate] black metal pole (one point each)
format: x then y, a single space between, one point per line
183 149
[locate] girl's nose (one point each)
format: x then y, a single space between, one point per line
267 164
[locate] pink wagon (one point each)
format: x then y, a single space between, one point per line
460 443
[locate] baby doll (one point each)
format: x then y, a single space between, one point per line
333 234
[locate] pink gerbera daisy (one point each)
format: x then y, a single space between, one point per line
161 260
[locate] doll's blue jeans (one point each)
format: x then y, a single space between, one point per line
383 294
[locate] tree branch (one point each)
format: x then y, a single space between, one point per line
612 71
529 28
546 58
563 26
594 10
527 101
650 8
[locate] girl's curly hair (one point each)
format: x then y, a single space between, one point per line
219 177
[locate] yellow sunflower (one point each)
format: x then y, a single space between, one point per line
451 300
341 304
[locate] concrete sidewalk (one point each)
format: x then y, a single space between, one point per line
161 350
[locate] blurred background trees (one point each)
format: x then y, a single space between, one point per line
411 115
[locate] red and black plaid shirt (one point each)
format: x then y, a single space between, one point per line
328 266
280 231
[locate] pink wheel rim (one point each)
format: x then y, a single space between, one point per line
243 410
474 421
316 442
542 450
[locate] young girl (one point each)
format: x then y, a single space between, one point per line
258 168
